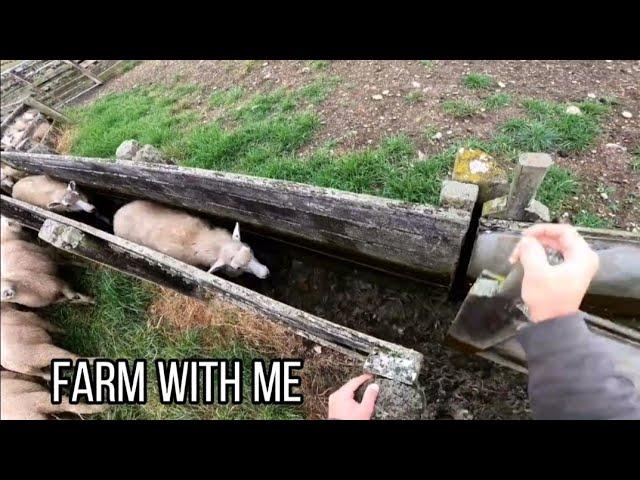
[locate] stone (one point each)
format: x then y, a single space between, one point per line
127 150
151 154
573 110
502 84
415 84
591 95
627 114
385 92
477 167
616 146
537 211
396 401
377 97
458 195
437 136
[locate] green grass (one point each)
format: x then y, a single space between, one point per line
428 64
547 128
591 220
459 108
118 326
635 161
478 81
149 115
319 65
223 98
558 186
496 101
414 97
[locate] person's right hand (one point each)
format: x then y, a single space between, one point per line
554 291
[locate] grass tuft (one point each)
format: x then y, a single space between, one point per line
227 97
459 108
496 101
558 186
414 97
478 81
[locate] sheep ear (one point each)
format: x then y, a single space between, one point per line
53 205
236 232
8 293
72 186
216 266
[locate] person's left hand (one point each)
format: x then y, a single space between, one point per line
343 406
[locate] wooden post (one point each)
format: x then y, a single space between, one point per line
529 173
46 110
84 71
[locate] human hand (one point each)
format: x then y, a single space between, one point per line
343 406
553 291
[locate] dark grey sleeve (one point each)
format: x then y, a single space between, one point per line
572 374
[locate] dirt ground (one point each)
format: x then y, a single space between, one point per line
354 120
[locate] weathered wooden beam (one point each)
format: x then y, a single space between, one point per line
615 290
412 238
141 262
46 110
84 71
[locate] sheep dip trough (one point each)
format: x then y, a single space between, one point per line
341 263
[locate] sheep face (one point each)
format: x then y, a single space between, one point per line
236 258
8 290
72 201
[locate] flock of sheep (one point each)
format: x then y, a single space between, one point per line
29 278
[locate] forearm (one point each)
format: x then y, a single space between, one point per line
572 374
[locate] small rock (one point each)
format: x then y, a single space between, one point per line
462 414
317 349
438 136
415 84
627 114
151 154
573 110
449 132
616 146
127 150
502 84
306 70
265 64
604 195
421 155
377 97
385 92
591 95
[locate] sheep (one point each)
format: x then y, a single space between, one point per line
36 290
22 256
186 238
11 230
26 346
9 175
51 194
24 399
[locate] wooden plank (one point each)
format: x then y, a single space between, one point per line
84 71
615 290
46 110
409 237
141 262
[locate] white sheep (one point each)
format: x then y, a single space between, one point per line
45 192
186 238
23 256
9 175
26 346
11 230
37 290
24 399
